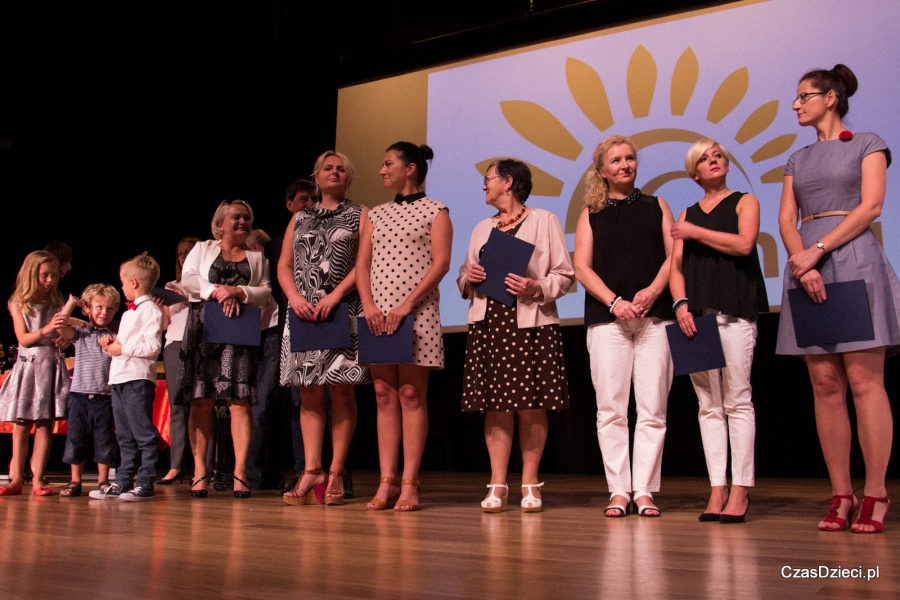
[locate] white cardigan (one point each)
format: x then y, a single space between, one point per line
195 274
550 267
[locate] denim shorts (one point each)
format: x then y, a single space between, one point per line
90 418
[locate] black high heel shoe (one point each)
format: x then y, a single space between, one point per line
199 493
242 493
729 519
164 481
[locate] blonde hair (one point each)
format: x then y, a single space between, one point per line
696 152
348 165
142 267
99 289
219 216
27 282
185 240
597 189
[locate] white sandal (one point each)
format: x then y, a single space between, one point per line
618 510
648 509
530 503
493 503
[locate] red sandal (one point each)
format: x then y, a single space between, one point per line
834 516
865 514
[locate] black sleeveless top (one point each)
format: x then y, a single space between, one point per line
731 285
628 252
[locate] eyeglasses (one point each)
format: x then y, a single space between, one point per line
486 178
802 98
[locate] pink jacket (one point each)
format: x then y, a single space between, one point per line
550 267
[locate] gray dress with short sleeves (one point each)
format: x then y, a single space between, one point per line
828 176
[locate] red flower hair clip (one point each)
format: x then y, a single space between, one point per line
845 135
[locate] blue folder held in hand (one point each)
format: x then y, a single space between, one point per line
333 332
169 297
386 349
703 352
242 330
843 317
503 254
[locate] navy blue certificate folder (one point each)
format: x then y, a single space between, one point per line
503 254
333 332
843 317
386 349
169 297
242 330
703 352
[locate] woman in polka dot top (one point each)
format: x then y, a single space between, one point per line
404 252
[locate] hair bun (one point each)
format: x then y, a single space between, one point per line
427 152
848 77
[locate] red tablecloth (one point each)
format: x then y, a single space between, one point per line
160 414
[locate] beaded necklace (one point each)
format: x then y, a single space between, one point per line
626 200
509 222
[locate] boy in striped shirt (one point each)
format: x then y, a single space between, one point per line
90 400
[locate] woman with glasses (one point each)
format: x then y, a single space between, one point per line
514 356
835 189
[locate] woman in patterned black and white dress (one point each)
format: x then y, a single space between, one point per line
404 252
317 271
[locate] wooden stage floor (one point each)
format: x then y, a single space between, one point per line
221 547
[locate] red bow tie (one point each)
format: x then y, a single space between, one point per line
130 305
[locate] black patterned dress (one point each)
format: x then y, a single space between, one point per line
325 247
217 371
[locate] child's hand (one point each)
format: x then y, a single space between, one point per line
159 301
59 321
71 303
61 342
105 341
114 348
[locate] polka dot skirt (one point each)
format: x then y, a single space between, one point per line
510 369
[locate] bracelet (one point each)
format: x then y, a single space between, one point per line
679 302
612 304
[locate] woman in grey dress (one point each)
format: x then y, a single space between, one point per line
837 185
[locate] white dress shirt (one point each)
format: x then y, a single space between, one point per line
140 334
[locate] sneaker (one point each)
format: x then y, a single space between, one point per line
138 494
110 493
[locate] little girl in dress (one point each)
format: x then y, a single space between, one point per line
34 393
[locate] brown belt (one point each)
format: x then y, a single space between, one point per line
826 213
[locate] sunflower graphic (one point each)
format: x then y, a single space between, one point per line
759 156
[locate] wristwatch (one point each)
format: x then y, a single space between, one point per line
820 246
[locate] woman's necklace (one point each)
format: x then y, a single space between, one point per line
229 255
626 200
509 222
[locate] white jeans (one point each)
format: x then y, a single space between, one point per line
622 351
726 406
